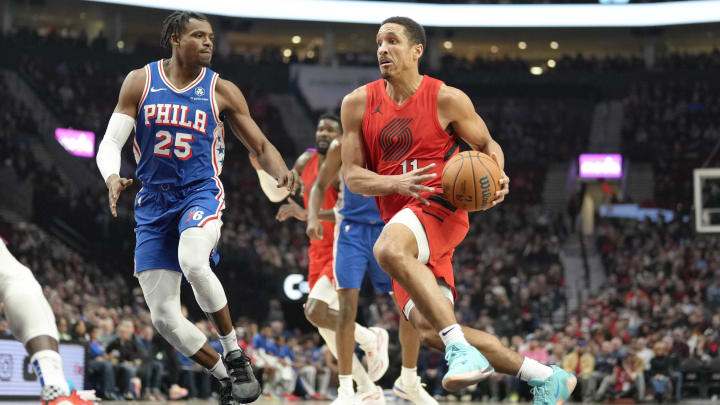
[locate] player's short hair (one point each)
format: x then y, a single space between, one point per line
175 24
415 32
332 117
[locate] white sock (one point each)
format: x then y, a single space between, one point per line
365 337
219 370
361 377
359 374
453 334
345 387
534 369
408 376
229 342
48 367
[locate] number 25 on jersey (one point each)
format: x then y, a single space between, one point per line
182 147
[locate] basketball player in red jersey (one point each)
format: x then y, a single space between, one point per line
399 131
322 305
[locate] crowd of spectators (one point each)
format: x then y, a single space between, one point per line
127 359
535 131
658 310
565 63
674 125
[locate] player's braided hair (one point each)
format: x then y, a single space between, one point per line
415 32
175 24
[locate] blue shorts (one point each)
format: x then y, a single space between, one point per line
163 212
354 256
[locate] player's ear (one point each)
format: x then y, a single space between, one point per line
175 39
418 50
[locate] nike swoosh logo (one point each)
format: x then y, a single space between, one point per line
448 331
154 90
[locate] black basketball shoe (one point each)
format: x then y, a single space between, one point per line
245 387
225 393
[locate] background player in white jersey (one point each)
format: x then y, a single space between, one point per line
357 227
33 323
175 105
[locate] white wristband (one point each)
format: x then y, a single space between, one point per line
118 131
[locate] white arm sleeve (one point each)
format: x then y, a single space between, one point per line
117 133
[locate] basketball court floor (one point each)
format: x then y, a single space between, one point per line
264 401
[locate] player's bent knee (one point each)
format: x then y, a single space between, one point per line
311 312
194 249
177 330
315 311
194 257
388 255
165 318
27 311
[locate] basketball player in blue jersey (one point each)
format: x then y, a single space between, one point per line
357 227
321 308
32 322
176 107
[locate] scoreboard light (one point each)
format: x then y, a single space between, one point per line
600 165
77 143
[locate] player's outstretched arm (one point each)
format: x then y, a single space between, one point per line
232 103
118 131
457 109
291 209
361 180
327 174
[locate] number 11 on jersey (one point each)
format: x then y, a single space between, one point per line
413 164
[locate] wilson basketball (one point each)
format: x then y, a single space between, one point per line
470 180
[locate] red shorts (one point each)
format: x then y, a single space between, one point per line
445 229
320 263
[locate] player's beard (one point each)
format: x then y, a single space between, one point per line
205 62
323 149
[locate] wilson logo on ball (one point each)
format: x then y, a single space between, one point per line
485 188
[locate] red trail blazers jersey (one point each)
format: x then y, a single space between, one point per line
401 138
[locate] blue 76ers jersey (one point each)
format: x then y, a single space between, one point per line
357 207
179 138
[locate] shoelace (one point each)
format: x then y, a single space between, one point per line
539 395
452 354
226 394
238 368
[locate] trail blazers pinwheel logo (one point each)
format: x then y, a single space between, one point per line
396 139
